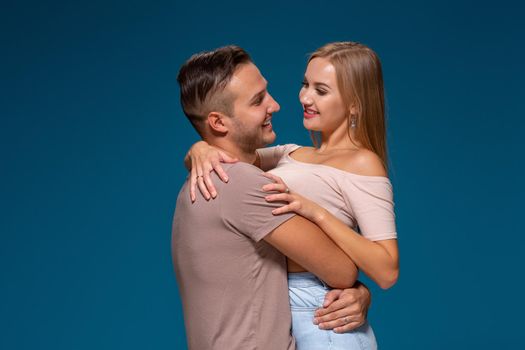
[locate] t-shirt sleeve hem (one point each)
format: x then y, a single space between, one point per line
264 230
383 237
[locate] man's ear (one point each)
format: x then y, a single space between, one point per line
217 122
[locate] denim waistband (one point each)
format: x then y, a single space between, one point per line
304 279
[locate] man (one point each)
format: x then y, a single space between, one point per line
228 253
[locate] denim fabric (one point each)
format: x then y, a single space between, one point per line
306 295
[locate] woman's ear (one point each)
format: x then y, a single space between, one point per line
353 109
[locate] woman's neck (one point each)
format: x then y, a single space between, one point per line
339 139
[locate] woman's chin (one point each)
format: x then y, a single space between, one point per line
310 125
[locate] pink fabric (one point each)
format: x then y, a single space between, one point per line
233 284
357 200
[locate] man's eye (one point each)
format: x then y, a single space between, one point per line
258 101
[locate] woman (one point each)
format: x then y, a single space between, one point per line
344 177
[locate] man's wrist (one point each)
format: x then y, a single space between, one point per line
364 291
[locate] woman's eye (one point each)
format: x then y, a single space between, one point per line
304 84
321 92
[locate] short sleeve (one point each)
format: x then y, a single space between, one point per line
243 207
372 204
270 156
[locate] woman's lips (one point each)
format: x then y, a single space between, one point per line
310 113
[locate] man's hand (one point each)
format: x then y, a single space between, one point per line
344 310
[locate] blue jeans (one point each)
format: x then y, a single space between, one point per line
306 294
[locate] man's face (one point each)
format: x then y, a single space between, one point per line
253 106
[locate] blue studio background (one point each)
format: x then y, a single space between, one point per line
92 140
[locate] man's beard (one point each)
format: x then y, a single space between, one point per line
247 140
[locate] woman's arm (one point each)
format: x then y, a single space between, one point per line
203 158
379 259
269 157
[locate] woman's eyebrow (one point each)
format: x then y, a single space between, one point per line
318 84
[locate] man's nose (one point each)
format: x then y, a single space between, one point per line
274 106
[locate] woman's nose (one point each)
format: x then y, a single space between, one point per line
305 99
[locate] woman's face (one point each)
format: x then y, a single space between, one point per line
323 106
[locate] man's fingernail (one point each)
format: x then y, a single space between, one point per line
316 321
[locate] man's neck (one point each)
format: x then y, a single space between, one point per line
234 151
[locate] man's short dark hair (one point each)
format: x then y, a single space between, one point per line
202 80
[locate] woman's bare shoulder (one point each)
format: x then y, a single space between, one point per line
360 162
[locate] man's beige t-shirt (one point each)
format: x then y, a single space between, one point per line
232 283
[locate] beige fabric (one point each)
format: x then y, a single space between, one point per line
357 200
233 285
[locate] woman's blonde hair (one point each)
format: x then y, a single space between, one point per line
360 81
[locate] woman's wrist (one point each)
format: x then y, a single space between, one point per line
200 144
319 216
